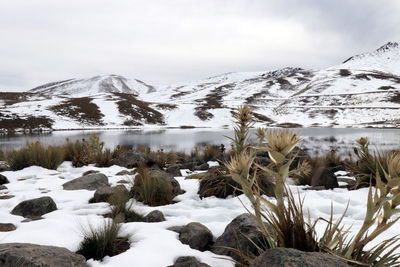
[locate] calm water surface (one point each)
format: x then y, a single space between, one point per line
317 140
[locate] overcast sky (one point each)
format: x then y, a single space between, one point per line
169 41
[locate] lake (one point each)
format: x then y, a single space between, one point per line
317 140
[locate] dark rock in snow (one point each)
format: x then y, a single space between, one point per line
197 236
31 255
7 227
3 180
104 193
175 169
132 159
324 177
35 207
154 216
290 257
89 182
202 167
236 235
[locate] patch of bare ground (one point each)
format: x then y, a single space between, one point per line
13 122
386 87
212 100
344 72
138 111
11 98
179 94
394 97
81 109
167 106
377 75
261 118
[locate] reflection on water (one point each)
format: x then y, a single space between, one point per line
317 140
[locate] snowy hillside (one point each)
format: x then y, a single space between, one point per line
94 86
364 91
386 59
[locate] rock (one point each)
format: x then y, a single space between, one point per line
175 169
31 255
104 193
89 172
236 235
324 177
277 257
202 167
124 172
154 216
7 227
132 159
3 179
122 182
4 166
197 236
89 182
159 174
192 163
3 187
6 196
176 229
35 207
188 261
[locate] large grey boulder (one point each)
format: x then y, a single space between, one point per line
133 159
290 257
188 261
197 236
159 174
3 179
89 182
34 208
31 255
237 235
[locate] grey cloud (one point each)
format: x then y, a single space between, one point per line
164 42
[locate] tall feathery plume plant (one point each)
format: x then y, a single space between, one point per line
287 225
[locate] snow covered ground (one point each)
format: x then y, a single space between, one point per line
152 244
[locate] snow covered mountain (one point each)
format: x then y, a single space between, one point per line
363 91
93 86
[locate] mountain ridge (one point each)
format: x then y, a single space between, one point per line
361 92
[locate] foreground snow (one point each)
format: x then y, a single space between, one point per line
151 243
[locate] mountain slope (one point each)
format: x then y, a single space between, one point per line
93 86
364 91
